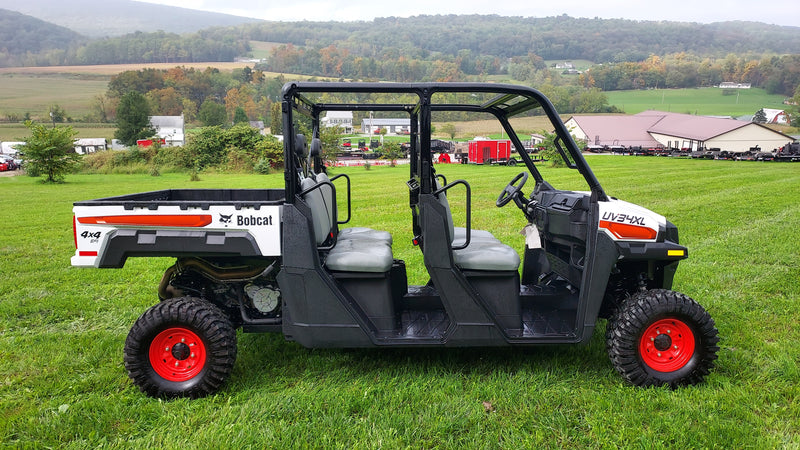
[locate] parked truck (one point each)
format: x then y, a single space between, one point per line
282 260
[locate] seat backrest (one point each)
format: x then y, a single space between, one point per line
319 212
327 196
442 197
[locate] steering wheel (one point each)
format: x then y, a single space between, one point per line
512 190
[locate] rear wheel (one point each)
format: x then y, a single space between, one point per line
181 347
661 337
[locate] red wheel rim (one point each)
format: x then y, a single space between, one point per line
177 354
667 345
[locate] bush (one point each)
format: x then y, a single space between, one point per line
239 160
127 157
239 149
263 166
270 150
175 158
99 162
209 146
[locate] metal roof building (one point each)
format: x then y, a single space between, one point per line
673 130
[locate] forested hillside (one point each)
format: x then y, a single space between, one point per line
100 18
435 47
562 37
22 35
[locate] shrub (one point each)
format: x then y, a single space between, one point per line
99 162
263 166
175 158
239 160
270 150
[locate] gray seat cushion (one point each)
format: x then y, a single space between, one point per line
486 256
485 252
360 256
460 236
360 233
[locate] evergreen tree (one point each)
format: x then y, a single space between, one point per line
760 116
133 119
239 116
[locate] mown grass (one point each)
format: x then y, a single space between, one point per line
62 329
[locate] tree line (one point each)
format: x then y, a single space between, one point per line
560 37
409 47
209 96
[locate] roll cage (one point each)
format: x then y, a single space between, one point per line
420 101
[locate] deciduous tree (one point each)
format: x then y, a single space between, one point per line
49 152
212 113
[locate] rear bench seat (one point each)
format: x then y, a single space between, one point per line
359 252
347 233
484 252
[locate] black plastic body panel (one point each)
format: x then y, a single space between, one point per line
123 243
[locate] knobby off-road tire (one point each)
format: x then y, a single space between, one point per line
181 347
661 337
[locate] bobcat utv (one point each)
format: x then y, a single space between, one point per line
278 260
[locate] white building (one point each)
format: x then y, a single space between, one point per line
170 129
343 119
392 126
90 145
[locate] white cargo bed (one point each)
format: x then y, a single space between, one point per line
178 222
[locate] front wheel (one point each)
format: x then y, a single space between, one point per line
181 347
661 337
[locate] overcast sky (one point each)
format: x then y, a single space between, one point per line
779 12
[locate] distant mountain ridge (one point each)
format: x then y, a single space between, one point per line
98 18
21 34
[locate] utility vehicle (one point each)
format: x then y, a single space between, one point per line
280 260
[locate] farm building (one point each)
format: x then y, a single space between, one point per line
170 129
392 126
258 125
672 130
778 116
90 145
343 119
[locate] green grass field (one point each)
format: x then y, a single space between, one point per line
35 94
700 101
62 330
17 131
